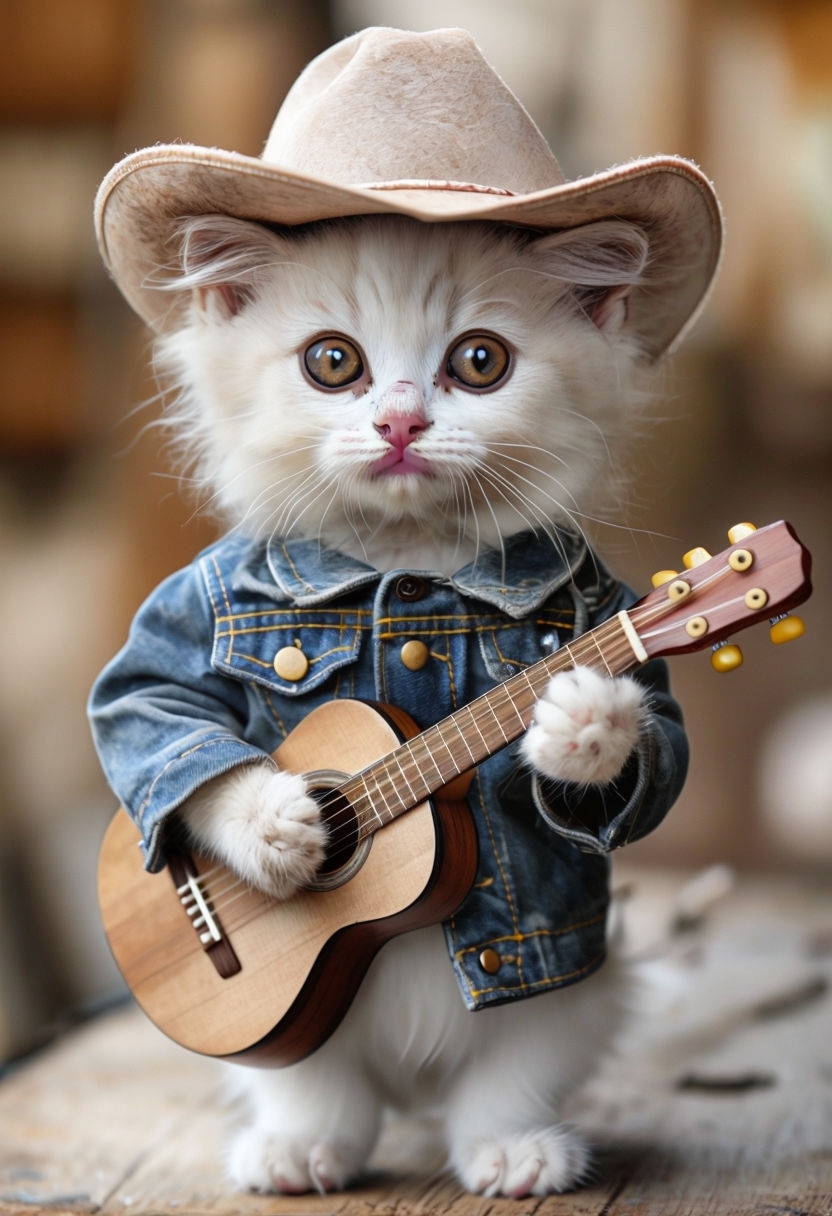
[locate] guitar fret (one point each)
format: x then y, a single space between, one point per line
603 659
378 795
402 779
490 708
468 713
396 757
504 696
454 768
428 755
473 718
589 651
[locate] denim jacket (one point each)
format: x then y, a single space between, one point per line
195 692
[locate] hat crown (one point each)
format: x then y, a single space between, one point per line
389 105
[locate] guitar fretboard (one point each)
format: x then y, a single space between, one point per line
417 769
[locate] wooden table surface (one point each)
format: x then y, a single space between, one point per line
718 1102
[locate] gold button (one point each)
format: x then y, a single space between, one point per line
414 654
290 663
490 961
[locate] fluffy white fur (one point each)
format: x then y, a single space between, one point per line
585 727
277 455
497 1080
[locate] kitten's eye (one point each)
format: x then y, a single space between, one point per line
479 361
333 362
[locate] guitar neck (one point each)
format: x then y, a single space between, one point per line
416 770
763 575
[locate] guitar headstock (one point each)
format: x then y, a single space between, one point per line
761 576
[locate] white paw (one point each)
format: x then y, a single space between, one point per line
544 1162
584 726
263 1161
263 825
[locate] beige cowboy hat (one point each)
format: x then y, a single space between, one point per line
393 122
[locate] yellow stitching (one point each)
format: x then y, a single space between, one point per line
448 658
218 573
294 568
227 602
496 852
250 658
292 627
560 618
434 617
294 615
190 751
523 937
267 696
214 607
549 979
437 629
504 658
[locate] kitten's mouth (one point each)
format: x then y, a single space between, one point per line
401 463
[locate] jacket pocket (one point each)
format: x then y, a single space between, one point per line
509 646
289 651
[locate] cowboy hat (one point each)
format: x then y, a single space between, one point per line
393 122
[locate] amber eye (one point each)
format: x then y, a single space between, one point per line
479 361
333 362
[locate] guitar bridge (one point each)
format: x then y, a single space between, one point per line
196 902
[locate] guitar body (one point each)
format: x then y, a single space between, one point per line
284 974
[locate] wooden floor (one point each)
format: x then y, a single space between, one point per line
719 1101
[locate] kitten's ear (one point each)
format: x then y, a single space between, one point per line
603 262
609 310
221 261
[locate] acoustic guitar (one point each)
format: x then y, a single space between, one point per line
229 972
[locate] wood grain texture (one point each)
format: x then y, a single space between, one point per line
719 1102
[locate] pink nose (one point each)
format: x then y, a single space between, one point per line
401 431
402 417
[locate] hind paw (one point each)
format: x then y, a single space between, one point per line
534 1163
262 1161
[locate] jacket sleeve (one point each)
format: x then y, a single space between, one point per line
599 819
163 721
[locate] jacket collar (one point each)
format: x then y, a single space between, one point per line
516 581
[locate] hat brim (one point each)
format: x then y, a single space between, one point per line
142 199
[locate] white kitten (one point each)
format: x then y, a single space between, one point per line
533 452
529 450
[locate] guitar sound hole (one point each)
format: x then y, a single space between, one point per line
346 852
342 826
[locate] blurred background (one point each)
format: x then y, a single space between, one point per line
91 516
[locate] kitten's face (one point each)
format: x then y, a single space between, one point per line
384 384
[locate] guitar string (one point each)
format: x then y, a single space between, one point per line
619 649
221 897
235 888
379 770
482 706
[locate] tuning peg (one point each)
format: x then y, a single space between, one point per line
695 557
726 657
663 576
740 531
786 628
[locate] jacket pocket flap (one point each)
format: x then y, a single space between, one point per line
289 651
